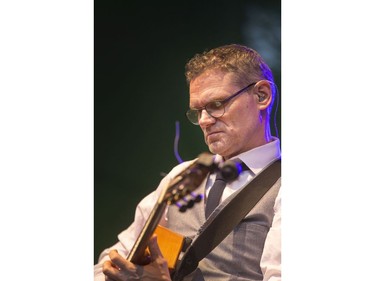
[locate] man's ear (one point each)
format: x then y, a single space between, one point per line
263 91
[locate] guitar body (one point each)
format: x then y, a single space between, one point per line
170 244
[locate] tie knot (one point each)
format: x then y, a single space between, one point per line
220 177
232 169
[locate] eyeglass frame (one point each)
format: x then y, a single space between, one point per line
223 103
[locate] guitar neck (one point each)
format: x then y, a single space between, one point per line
137 253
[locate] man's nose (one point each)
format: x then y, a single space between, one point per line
206 119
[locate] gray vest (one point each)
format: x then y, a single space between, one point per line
238 256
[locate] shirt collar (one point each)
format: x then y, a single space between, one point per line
260 157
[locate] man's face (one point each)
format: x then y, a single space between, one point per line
239 129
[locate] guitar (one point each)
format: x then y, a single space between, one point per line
181 186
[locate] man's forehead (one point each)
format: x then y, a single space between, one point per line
212 88
211 81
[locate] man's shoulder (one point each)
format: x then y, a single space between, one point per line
180 167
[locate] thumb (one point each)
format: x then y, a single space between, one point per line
155 251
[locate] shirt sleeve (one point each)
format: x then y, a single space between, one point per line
271 258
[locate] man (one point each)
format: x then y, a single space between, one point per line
231 97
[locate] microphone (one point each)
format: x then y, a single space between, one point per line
231 169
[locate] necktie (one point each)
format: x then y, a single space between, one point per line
214 196
217 189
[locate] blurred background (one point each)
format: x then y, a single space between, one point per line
140 92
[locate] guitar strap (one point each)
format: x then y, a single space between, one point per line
221 223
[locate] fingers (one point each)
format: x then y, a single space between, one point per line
119 269
110 271
158 268
118 260
154 248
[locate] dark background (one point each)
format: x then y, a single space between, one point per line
140 91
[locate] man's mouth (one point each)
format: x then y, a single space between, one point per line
212 134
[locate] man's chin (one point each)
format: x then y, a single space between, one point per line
215 148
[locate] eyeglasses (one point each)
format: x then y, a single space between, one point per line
215 109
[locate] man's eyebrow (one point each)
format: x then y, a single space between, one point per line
215 95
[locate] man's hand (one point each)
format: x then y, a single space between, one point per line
120 269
